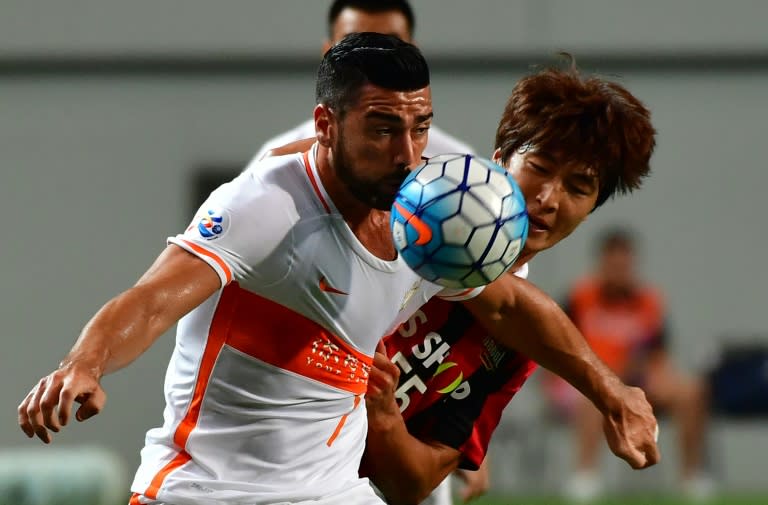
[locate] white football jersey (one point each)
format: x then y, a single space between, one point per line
264 388
439 141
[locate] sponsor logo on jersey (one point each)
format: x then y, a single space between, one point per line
450 388
428 353
409 294
492 355
212 224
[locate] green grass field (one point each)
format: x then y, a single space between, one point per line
633 500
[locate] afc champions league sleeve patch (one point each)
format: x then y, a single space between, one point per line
213 223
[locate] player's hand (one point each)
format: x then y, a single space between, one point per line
631 429
476 483
382 383
49 404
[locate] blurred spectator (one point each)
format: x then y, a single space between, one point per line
624 320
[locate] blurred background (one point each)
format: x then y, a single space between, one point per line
116 117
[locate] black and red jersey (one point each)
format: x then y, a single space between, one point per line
455 380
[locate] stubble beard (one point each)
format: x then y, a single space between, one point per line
365 191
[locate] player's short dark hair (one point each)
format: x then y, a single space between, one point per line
585 119
361 58
371 7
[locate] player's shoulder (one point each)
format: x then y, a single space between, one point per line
272 181
442 142
299 132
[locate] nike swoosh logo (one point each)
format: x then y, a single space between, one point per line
423 231
324 286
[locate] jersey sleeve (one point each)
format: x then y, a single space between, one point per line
238 227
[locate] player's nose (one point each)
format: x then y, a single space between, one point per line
407 152
549 195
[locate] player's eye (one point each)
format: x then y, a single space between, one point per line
541 169
582 185
581 190
383 131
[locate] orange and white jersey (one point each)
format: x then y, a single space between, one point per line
264 388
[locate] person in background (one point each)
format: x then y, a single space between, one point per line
391 17
624 319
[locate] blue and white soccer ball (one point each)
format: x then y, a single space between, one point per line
459 220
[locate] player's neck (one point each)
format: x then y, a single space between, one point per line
374 233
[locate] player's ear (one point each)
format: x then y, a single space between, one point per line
496 158
327 44
323 125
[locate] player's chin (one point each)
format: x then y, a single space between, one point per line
535 244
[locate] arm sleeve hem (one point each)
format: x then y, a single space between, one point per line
214 260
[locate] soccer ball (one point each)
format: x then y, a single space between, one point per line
459 220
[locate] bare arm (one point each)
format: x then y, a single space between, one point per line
118 333
476 482
403 467
524 318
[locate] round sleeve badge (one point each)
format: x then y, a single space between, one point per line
213 224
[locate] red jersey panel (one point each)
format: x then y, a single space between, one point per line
455 380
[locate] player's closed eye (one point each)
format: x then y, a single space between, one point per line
583 185
581 190
541 169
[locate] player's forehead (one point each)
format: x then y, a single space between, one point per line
377 102
352 20
564 161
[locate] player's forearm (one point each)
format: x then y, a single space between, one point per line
119 332
524 318
403 467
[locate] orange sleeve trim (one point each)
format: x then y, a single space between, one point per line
205 252
313 181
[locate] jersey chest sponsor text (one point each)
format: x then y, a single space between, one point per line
423 364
